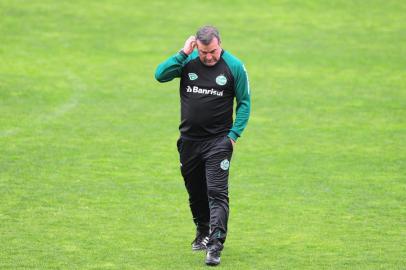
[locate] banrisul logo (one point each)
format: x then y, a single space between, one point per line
221 80
193 76
197 90
225 164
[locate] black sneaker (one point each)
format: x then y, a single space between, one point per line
200 242
213 254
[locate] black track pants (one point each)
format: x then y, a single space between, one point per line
205 167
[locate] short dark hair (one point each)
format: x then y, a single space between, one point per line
206 34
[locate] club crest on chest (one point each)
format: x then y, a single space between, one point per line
221 80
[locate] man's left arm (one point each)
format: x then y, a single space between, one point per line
242 94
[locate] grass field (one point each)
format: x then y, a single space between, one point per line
89 175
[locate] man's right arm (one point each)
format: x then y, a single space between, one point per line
171 68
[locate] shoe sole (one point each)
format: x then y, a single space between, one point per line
212 263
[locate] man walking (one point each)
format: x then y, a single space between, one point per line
210 79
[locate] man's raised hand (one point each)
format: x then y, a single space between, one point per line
190 44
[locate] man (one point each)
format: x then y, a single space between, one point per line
210 78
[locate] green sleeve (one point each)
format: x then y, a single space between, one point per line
242 95
171 68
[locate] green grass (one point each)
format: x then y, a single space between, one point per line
89 174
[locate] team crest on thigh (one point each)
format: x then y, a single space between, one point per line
225 164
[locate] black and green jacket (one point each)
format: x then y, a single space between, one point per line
207 94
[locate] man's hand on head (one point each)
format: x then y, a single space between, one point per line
190 44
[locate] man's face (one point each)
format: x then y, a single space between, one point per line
209 54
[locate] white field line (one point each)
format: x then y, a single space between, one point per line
9 132
78 87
